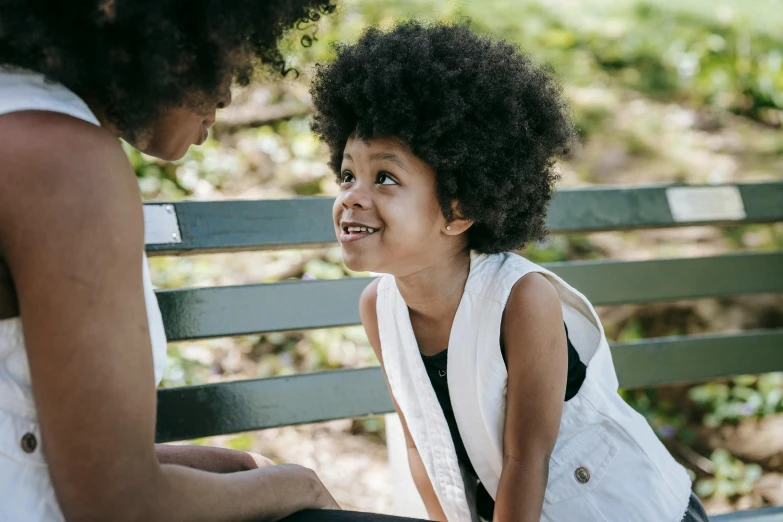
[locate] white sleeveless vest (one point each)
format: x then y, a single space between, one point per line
607 465
26 491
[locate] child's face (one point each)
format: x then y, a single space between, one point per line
386 216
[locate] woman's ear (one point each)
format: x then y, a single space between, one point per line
458 223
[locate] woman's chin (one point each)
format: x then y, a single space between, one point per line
171 152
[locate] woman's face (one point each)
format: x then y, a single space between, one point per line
178 128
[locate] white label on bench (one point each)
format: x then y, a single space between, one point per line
691 204
161 225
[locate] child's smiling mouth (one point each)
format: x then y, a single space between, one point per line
351 232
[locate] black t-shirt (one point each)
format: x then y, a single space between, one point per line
437 372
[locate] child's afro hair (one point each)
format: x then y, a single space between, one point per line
489 121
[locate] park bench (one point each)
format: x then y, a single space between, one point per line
186 228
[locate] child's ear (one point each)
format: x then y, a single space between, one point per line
458 223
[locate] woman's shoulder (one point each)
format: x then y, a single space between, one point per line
58 169
24 90
53 147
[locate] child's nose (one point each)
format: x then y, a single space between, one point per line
357 197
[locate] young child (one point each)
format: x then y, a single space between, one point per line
444 145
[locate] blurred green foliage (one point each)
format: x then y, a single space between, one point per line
731 478
744 397
712 57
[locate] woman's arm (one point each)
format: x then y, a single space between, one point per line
535 343
369 316
71 232
207 458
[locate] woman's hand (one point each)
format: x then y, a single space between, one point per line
325 499
260 460
322 499
207 458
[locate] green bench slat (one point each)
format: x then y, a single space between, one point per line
671 360
295 305
621 282
617 208
772 514
763 201
239 310
220 226
227 226
215 409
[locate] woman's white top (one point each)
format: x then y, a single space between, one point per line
607 465
26 492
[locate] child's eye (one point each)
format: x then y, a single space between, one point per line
346 177
385 179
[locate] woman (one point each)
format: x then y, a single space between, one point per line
81 338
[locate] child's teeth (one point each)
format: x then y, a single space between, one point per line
361 229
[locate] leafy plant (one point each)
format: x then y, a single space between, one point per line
667 419
743 397
731 477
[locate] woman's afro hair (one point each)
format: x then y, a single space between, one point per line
489 122
135 57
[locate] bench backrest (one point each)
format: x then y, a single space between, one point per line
204 227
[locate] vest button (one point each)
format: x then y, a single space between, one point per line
29 443
582 475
